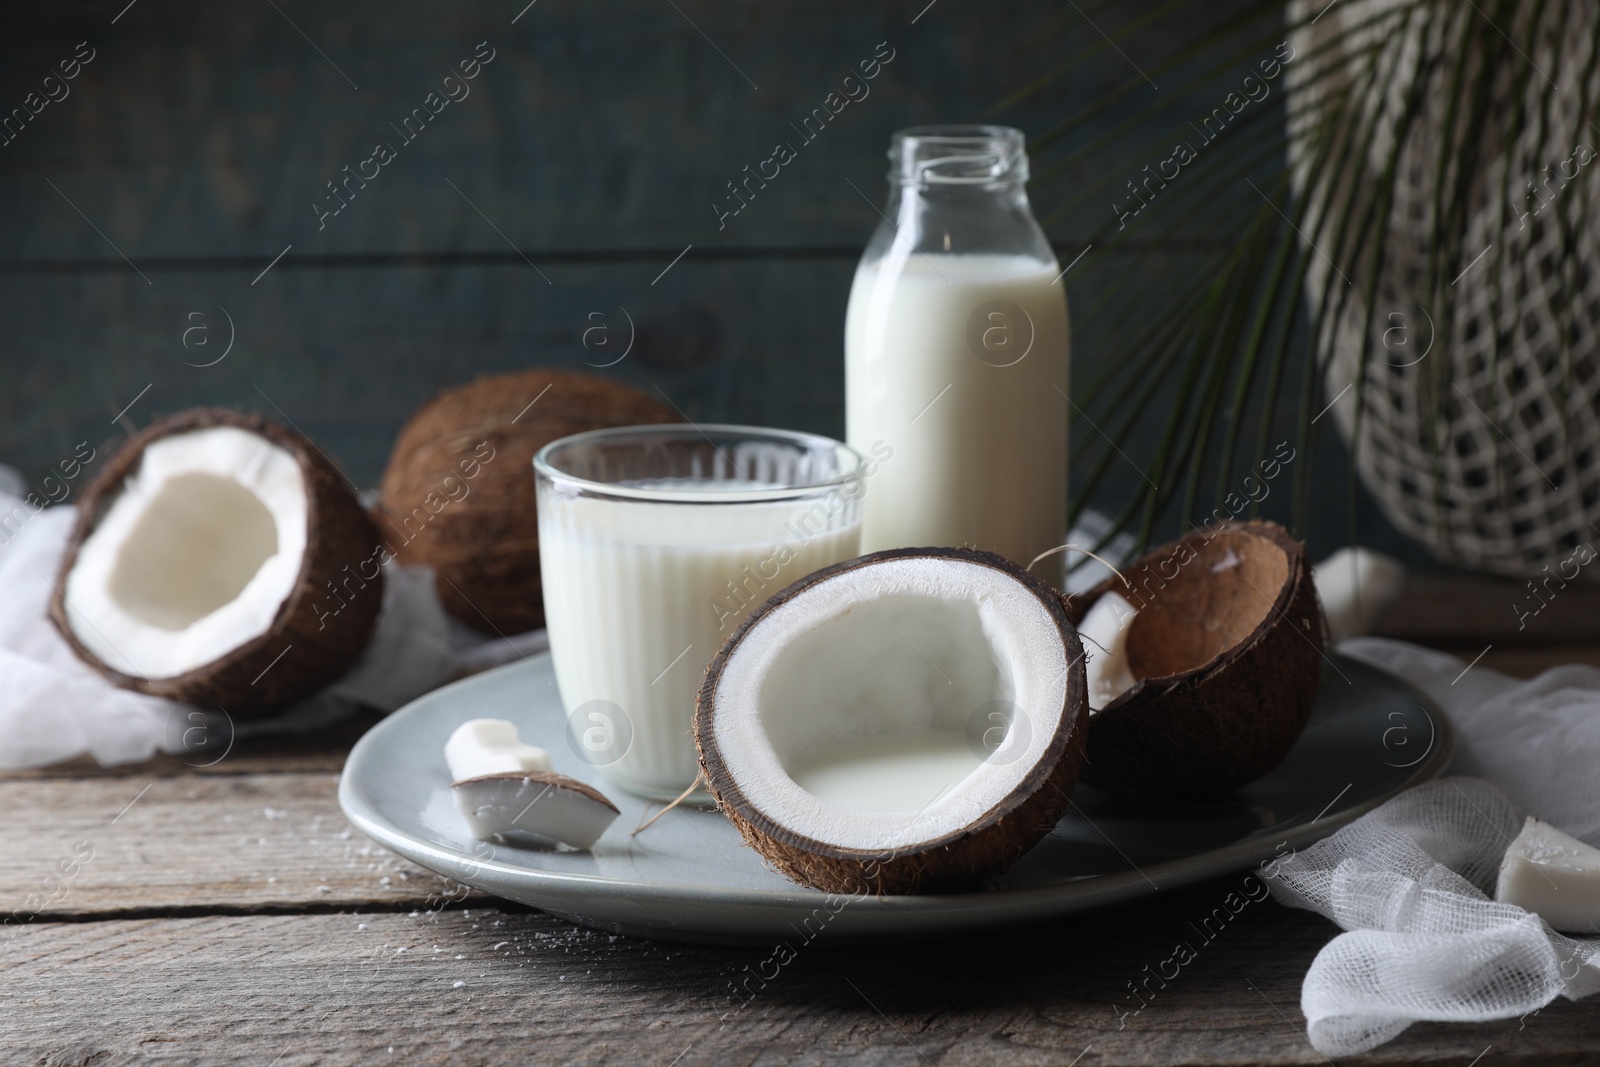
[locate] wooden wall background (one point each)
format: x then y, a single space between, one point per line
587 156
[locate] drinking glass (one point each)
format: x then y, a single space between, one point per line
655 542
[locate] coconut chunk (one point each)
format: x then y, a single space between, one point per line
1555 875
491 746
1105 634
548 806
1356 586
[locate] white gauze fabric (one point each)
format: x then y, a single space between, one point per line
1412 881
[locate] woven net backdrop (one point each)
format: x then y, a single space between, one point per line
1478 428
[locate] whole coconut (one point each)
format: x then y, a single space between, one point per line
458 493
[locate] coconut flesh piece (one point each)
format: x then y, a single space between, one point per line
1356 586
548 807
932 699
1105 635
491 746
194 557
1554 875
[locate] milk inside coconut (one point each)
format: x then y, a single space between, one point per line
957 352
892 772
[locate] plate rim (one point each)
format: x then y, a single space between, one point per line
1123 886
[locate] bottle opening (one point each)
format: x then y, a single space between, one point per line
958 155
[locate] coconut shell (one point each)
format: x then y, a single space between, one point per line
962 859
320 649
1226 650
458 494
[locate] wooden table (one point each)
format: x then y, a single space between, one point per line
231 915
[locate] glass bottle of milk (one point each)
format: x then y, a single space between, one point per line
957 352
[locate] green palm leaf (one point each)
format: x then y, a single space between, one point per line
1259 317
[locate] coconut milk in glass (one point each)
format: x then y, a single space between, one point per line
655 542
957 352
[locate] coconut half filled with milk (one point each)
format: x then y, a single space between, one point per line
909 721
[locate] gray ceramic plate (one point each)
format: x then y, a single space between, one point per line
691 878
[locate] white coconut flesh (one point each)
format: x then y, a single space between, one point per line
892 703
547 807
1104 630
195 556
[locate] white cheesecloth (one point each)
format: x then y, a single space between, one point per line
1412 881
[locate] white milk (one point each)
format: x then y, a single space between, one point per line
980 450
888 772
639 596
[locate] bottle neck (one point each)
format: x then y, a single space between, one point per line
959 190
990 219
1008 195
957 156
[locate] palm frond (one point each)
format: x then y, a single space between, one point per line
1246 341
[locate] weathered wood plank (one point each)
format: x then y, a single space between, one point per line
1462 611
319 752
348 355
532 985
213 129
482 986
139 843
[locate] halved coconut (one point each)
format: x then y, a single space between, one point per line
1224 655
220 559
909 721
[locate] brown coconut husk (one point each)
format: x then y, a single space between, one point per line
1227 651
322 645
485 544
965 857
